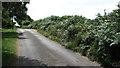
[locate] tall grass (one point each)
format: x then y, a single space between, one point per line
9 38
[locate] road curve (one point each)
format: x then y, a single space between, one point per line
37 50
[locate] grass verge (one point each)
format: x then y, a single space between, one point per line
46 34
9 38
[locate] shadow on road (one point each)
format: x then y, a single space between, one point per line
23 61
22 38
21 35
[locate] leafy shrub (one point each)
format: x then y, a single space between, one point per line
98 38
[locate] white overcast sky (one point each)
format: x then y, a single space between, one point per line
39 9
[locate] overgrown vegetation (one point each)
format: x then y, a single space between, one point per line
9 46
99 39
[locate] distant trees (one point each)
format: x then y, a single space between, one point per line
27 21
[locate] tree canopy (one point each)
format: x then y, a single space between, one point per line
16 10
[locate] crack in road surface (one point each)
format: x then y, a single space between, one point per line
37 50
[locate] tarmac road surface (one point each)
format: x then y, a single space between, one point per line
36 50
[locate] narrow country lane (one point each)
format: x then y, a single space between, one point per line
37 50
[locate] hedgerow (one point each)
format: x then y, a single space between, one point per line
99 39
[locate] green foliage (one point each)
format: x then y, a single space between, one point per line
99 39
26 22
6 22
16 10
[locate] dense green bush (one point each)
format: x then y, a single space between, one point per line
99 39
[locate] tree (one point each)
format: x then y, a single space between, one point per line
25 22
16 10
29 18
